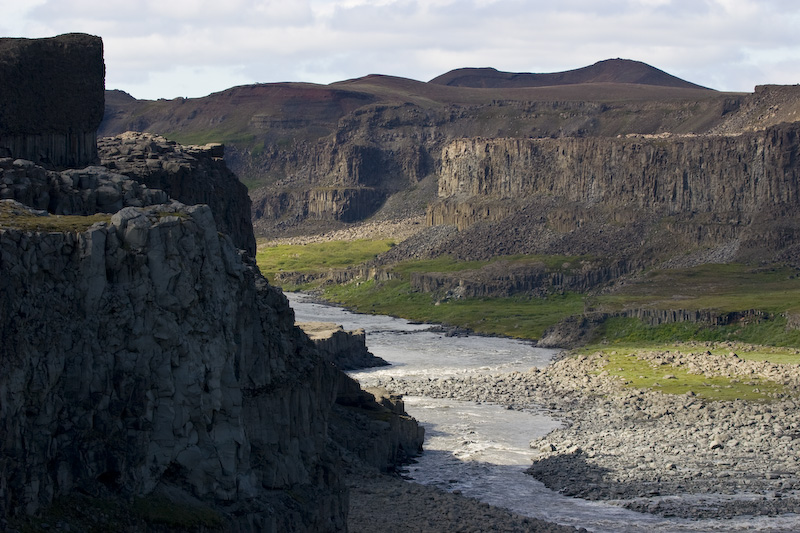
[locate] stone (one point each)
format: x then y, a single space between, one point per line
189 174
53 98
346 349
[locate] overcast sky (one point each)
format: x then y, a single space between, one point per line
169 48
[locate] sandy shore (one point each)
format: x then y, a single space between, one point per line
672 455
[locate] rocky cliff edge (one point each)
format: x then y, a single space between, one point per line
144 354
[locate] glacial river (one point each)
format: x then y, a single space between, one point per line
483 449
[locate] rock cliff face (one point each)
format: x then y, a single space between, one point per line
748 173
52 92
189 174
144 353
637 198
336 153
345 349
502 279
83 191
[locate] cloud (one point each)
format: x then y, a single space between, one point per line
199 45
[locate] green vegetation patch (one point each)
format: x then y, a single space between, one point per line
520 317
27 221
317 257
715 289
768 331
720 287
635 372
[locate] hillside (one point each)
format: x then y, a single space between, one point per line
608 71
318 156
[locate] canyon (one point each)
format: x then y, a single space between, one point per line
618 161
144 356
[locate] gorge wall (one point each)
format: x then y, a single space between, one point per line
748 173
144 353
52 92
189 174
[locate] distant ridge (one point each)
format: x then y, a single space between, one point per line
608 71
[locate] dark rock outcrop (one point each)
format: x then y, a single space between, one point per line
83 191
52 94
668 175
345 349
189 174
641 199
145 353
502 279
371 426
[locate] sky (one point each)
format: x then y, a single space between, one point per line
191 48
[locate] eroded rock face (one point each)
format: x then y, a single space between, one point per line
345 349
189 174
668 175
643 199
52 94
145 352
83 191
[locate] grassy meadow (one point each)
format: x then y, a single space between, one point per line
767 296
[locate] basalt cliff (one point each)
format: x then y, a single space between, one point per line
618 165
698 192
145 361
52 95
317 157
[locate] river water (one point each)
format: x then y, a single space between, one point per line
482 450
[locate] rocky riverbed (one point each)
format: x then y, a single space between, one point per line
672 455
388 504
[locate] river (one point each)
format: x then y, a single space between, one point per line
482 450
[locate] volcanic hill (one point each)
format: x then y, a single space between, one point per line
319 155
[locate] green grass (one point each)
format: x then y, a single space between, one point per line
23 220
519 317
252 184
622 363
721 287
771 331
716 288
317 257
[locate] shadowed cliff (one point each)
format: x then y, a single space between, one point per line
52 92
145 357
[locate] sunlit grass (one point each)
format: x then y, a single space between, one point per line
632 371
13 218
720 287
520 317
769 331
317 257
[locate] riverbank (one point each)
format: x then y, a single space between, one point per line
671 455
380 502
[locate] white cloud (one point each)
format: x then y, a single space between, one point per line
152 45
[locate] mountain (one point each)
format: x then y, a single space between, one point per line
608 71
326 155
